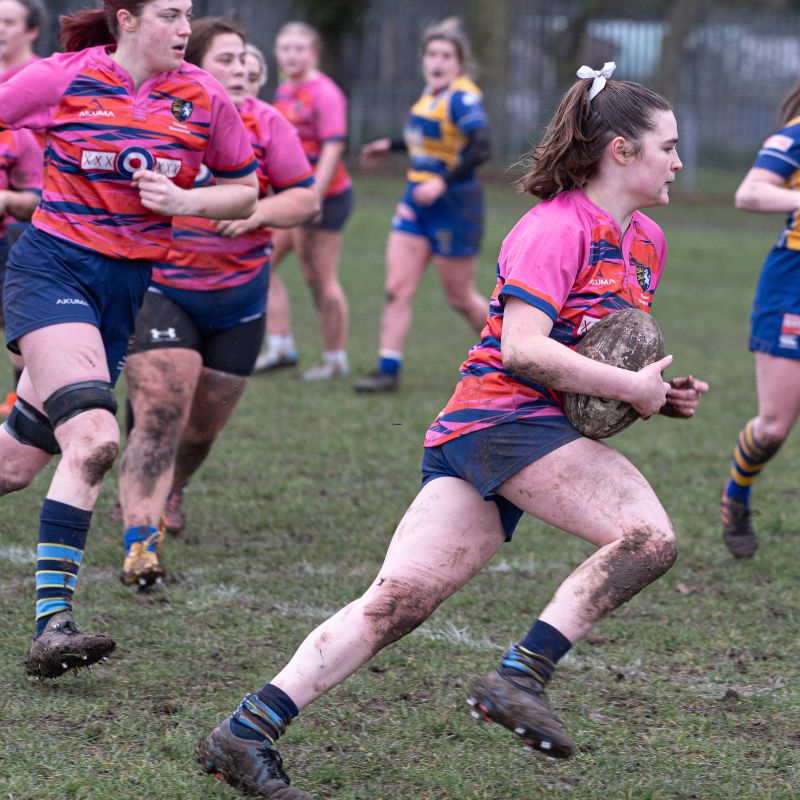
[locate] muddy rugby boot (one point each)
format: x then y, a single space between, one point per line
141 567
172 520
61 647
518 702
737 528
252 766
377 382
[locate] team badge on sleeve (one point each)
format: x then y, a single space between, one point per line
778 142
182 109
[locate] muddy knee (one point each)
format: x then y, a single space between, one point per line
98 461
396 607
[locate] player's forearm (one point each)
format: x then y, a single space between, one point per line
288 208
20 205
234 200
326 165
767 198
544 361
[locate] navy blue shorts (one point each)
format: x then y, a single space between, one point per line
453 224
335 211
487 457
226 326
775 321
51 281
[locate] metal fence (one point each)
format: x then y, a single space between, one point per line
733 66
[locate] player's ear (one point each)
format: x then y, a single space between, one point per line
620 149
126 20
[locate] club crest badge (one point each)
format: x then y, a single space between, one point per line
643 275
182 109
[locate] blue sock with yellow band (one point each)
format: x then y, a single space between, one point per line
63 530
749 458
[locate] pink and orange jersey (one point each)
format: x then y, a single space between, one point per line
780 154
20 167
200 259
100 131
317 107
567 258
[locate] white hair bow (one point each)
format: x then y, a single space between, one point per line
600 77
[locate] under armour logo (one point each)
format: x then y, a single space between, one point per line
158 336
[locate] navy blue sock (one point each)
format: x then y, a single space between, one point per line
263 715
63 530
389 365
546 640
538 653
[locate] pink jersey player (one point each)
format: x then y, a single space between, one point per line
603 156
317 107
200 328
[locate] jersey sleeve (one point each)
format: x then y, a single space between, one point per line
31 97
27 173
331 113
540 263
229 153
286 163
780 153
466 111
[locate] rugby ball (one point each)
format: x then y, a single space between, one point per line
630 339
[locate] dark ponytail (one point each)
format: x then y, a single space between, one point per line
95 26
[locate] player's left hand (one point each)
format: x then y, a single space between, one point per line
237 227
158 193
428 192
683 397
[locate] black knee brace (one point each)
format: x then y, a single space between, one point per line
29 426
69 401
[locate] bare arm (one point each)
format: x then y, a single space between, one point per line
762 190
229 198
282 210
528 351
20 205
329 157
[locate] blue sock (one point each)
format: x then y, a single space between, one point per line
391 366
140 533
263 715
63 530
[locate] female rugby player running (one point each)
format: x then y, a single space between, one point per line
502 445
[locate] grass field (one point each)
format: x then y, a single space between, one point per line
689 691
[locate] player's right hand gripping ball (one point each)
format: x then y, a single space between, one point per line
630 339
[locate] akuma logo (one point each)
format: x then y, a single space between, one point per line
96 109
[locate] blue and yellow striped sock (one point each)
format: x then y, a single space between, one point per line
749 458
63 530
263 714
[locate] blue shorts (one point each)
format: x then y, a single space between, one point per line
226 326
775 321
487 457
51 281
335 211
220 309
453 224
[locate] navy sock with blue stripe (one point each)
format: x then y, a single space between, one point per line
538 653
63 530
264 714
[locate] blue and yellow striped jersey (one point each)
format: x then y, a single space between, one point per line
438 125
780 154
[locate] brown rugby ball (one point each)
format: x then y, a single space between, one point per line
630 339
